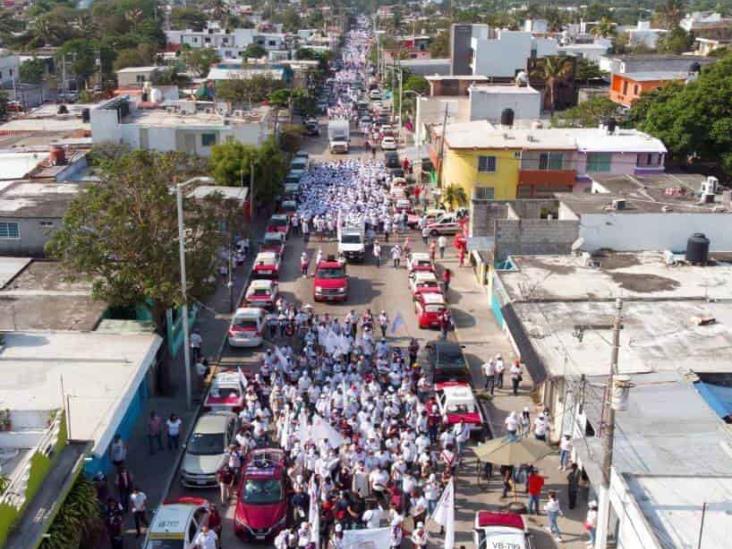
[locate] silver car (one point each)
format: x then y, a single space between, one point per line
206 450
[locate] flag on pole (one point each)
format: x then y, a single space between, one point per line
396 323
314 512
444 514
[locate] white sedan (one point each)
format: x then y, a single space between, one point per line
388 144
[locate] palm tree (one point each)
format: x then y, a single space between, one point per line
454 196
219 9
604 28
552 70
671 13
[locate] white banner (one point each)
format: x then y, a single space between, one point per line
320 430
370 538
444 514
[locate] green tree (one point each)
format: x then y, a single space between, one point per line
552 70
188 18
79 520
587 70
33 71
596 11
676 41
81 58
123 234
454 196
254 51
306 54
245 91
170 76
605 28
200 60
694 120
129 58
440 45
670 13
587 114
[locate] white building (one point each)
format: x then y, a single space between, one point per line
591 51
643 35
229 45
487 102
703 19
9 66
185 126
538 26
271 40
135 76
508 53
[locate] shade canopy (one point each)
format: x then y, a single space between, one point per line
505 451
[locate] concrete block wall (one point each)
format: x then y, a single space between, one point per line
482 215
534 237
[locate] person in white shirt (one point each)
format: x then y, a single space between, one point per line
138 503
196 341
511 423
206 539
419 536
173 426
516 377
500 369
591 522
489 371
541 427
565 450
442 244
553 511
373 517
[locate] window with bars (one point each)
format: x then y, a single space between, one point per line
484 193
486 163
9 231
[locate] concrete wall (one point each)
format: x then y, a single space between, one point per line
534 237
489 106
9 67
461 54
654 231
503 56
33 236
483 214
105 126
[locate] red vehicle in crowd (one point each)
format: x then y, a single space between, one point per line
420 261
273 242
279 223
226 393
457 403
429 307
266 265
261 293
261 507
331 281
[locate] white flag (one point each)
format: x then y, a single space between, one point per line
396 323
314 513
444 514
243 378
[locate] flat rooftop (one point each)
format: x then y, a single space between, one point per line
651 76
656 193
160 117
673 507
36 199
503 90
38 298
15 165
101 373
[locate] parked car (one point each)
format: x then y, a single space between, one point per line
375 95
226 393
446 362
273 242
429 308
420 261
457 404
445 224
388 143
501 529
247 327
261 293
177 522
261 507
279 223
205 452
418 280
266 265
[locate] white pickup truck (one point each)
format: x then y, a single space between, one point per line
339 135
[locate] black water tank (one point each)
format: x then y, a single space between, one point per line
697 249
507 117
85 115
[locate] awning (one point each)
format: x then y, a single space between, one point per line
718 397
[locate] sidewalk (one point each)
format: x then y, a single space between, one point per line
478 331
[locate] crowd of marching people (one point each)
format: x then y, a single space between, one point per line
366 445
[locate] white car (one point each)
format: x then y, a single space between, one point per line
374 95
388 144
419 279
445 224
206 449
262 293
266 265
247 327
420 261
493 530
457 404
176 524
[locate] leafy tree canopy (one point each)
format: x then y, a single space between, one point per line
585 115
187 18
200 60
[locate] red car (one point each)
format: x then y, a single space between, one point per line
429 307
266 265
331 281
273 242
279 223
261 507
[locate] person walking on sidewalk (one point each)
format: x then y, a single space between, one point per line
433 250
225 477
525 422
511 423
425 235
446 278
383 323
138 501
541 427
113 521
118 452
516 377
553 512
377 253
500 369
155 432
173 426
196 342
396 255
573 480
591 523
124 487
507 476
565 450
489 371
534 484
442 244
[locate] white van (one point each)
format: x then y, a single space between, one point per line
247 327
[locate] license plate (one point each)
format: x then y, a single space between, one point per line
259 537
201 482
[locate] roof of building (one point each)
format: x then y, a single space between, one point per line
102 373
675 507
239 73
439 77
38 297
132 70
15 165
506 89
654 76
163 118
36 199
655 193
10 267
566 309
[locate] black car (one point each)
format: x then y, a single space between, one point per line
446 360
391 160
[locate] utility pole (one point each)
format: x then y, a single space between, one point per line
184 292
251 190
399 131
609 433
443 138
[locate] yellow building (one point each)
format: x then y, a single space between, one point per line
492 162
